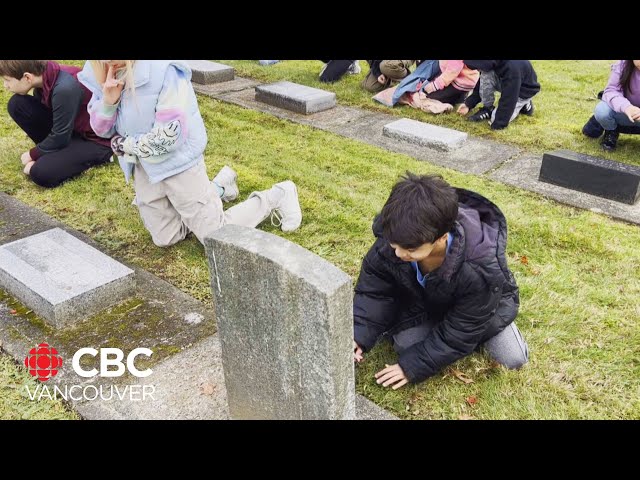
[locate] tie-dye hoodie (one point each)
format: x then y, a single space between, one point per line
159 120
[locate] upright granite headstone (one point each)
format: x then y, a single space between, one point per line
295 97
597 176
206 72
61 278
285 321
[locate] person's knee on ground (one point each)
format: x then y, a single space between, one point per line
514 361
334 70
43 176
165 233
508 348
592 128
166 240
371 84
394 70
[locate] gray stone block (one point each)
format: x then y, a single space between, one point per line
285 320
187 386
206 72
597 176
424 134
61 278
294 97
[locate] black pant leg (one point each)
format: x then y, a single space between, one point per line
51 169
31 116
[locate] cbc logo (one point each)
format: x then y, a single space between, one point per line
44 362
111 357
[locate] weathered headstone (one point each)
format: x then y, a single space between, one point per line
285 322
424 134
61 278
593 175
206 72
295 97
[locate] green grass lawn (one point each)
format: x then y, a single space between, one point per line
577 270
566 100
14 403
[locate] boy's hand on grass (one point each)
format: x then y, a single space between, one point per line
358 356
392 376
463 109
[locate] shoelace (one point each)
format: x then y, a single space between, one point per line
276 214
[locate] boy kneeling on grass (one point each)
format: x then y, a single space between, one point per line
436 282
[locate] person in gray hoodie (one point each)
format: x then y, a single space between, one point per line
517 82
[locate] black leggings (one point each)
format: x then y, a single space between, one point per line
335 70
449 94
51 169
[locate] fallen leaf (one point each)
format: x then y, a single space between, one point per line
465 417
461 376
13 312
207 389
549 340
524 260
535 271
471 400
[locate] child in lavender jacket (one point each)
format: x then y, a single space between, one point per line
619 110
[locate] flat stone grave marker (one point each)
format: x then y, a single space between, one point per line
206 72
61 278
295 97
424 134
593 175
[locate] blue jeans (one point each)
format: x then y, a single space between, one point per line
610 119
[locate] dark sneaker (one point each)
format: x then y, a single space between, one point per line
527 109
592 128
483 114
609 140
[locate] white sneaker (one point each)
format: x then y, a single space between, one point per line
287 211
227 178
354 68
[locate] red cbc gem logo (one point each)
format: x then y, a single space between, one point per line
43 362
